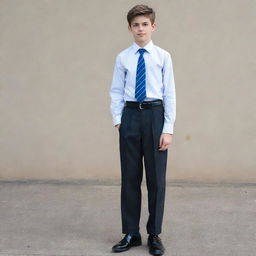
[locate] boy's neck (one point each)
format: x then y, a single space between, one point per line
142 44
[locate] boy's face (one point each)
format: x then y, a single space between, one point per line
141 29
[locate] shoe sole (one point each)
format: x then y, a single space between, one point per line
126 249
156 254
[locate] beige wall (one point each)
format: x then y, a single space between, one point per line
56 67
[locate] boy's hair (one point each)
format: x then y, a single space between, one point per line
141 9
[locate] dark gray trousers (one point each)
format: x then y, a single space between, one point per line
139 136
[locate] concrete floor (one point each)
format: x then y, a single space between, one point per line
84 219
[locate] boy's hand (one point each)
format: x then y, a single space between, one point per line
165 141
118 125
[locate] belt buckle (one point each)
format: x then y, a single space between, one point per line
140 106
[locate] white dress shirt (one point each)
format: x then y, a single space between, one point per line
159 81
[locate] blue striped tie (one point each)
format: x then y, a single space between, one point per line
140 90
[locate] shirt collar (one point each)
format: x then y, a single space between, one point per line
148 47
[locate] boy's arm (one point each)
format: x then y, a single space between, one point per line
117 92
169 96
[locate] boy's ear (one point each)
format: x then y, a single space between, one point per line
129 28
153 26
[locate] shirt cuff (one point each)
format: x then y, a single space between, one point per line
117 120
168 128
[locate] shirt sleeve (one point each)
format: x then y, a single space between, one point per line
169 95
117 91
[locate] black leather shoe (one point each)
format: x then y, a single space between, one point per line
155 245
127 242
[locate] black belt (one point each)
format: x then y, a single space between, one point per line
144 104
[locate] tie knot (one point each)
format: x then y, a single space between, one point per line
141 51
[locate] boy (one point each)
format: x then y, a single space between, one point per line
143 107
